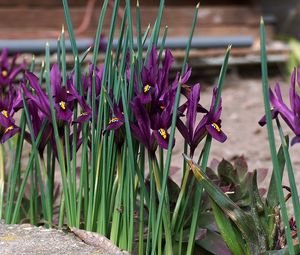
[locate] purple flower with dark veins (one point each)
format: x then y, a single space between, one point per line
150 130
115 124
290 115
63 96
117 120
192 107
7 110
9 71
209 124
155 79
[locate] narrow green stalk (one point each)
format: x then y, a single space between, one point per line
114 233
156 29
2 179
61 216
66 140
96 130
145 36
139 37
15 173
33 199
58 53
163 41
98 32
265 88
26 174
293 185
205 156
152 213
40 170
74 145
153 167
172 134
59 145
132 163
179 200
120 40
70 27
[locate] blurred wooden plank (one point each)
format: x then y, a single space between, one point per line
220 21
39 3
56 3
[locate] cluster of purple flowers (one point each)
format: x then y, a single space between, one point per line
10 97
152 104
290 115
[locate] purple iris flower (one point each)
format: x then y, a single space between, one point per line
290 115
117 120
155 79
8 104
115 123
63 96
209 124
150 130
9 71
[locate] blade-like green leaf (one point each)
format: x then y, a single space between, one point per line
229 232
243 220
271 137
272 197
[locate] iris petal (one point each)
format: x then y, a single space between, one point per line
216 132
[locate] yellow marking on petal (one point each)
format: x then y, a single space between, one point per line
216 127
113 120
4 73
4 113
163 133
147 88
62 105
162 107
8 129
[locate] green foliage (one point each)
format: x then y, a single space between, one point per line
239 208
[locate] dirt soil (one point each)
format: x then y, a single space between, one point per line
242 109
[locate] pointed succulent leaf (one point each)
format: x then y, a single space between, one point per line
226 172
257 211
240 164
261 174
